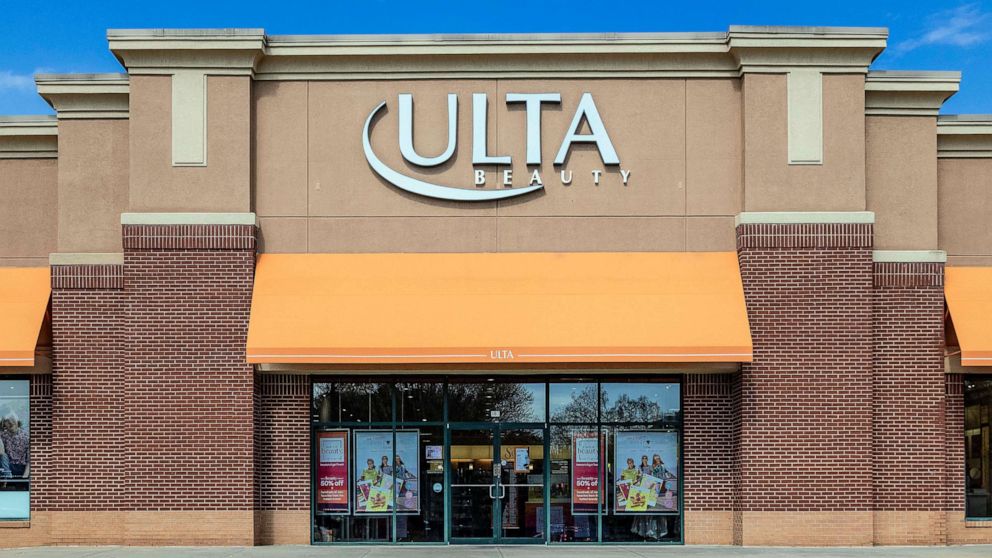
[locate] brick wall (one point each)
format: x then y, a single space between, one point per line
189 393
805 430
908 406
708 467
283 442
44 487
87 390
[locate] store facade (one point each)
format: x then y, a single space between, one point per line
707 288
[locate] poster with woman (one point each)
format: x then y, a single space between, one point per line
645 466
387 477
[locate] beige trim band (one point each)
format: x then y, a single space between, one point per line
187 218
909 256
804 217
96 258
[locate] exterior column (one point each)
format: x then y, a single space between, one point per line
908 444
805 424
189 394
708 411
85 494
283 458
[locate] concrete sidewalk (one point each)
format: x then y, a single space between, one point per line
493 552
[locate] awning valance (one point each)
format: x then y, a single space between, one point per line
24 294
498 307
968 291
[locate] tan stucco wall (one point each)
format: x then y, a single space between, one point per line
901 170
28 212
681 140
223 185
93 184
965 204
770 183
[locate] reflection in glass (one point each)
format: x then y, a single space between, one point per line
15 449
978 447
496 401
353 402
640 402
573 402
419 401
521 489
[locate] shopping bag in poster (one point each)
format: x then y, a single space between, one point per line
652 484
637 499
623 488
379 499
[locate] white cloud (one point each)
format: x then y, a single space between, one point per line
9 81
964 26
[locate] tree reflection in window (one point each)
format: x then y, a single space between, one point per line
496 401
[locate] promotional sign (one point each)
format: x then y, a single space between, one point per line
332 471
387 477
646 472
585 472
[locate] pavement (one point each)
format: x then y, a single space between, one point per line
975 551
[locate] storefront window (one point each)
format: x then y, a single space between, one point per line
978 454
437 459
15 455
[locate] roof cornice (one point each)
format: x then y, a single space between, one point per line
964 136
28 137
85 96
162 51
740 50
908 93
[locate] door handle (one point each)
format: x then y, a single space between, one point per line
502 491
492 493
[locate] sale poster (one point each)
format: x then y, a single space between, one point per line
645 465
332 471
585 472
387 471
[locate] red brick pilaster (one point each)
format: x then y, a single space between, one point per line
708 471
908 444
282 458
805 427
189 392
87 414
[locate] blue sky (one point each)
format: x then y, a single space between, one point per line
62 36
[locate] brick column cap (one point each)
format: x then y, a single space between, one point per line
909 256
804 217
187 218
79 258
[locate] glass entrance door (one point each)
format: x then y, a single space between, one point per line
497 486
473 484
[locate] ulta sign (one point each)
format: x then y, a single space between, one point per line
585 111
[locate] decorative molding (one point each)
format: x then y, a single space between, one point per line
908 274
88 276
898 93
187 218
805 116
85 96
189 118
792 236
909 256
769 49
29 137
804 217
964 136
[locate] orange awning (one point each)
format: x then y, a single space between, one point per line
498 307
968 291
24 294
